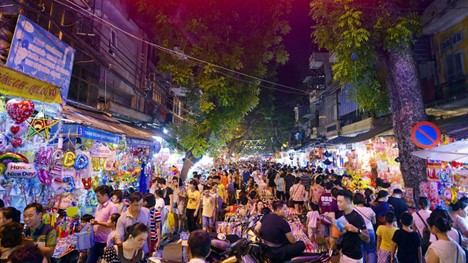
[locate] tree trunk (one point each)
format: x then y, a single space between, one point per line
189 161
408 109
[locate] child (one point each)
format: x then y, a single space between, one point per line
407 241
155 219
312 218
208 212
85 219
384 238
113 223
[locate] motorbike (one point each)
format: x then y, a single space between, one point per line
249 249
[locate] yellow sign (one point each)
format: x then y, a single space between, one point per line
18 84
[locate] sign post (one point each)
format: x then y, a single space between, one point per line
425 134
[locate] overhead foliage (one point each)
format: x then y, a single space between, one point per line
267 123
245 36
358 31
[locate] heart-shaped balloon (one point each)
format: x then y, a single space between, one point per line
16 142
19 130
87 183
19 110
14 129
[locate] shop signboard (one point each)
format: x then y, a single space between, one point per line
75 130
16 84
98 135
39 54
153 145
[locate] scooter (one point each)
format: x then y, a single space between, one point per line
249 249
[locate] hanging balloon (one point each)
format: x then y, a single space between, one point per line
19 110
443 176
71 183
16 142
4 143
57 156
44 177
69 159
95 182
19 130
81 162
87 183
88 143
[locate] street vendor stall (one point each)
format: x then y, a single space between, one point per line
447 172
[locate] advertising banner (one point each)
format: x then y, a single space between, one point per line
19 85
76 130
37 53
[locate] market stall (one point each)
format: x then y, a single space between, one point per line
447 172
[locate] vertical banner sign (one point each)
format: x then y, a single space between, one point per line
37 53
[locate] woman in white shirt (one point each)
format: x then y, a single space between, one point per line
460 221
444 249
369 249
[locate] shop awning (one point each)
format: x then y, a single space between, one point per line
456 128
339 140
94 119
370 134
456 151
361 137
108 126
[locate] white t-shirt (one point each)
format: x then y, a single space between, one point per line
420 224
159 204
462 225
367 214
447 251
312 216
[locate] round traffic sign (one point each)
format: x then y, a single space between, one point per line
425 134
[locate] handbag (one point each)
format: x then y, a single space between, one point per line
85 238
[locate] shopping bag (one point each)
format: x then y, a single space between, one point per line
85 239
169 224
171 220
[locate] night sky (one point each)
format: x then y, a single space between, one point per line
299 44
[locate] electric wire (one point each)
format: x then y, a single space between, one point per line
77 8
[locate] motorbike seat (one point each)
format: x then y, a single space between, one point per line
308 258
220 244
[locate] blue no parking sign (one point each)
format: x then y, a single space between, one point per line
425 134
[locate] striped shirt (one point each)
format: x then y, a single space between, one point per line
155 218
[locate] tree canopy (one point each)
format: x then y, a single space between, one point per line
264 130
244 36
372 41
357 31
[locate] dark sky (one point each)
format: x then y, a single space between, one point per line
299 45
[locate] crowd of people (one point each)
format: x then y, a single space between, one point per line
358 226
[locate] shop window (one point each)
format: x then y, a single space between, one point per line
112 42
457 38
455 68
